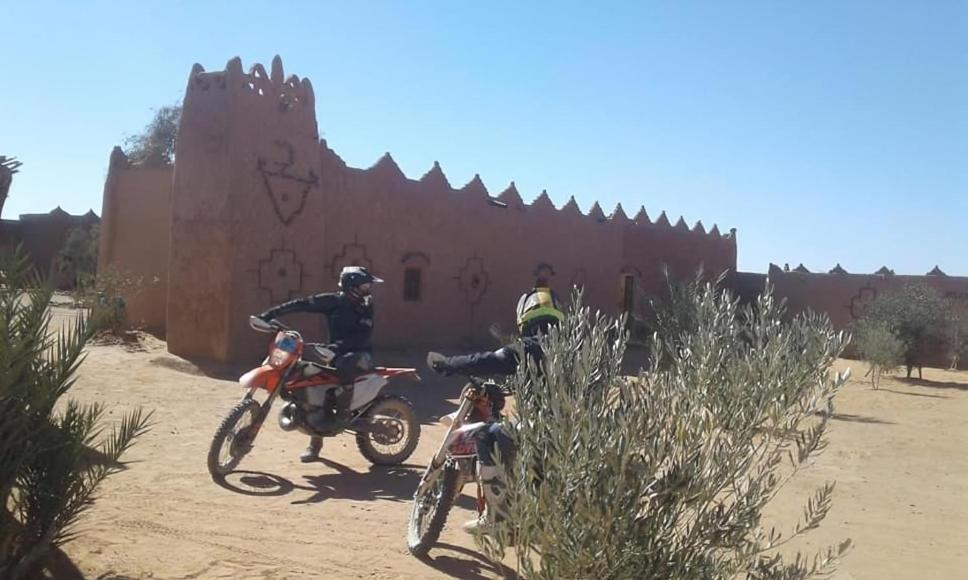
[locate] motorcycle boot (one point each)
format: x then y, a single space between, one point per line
312 452
494 486
341 404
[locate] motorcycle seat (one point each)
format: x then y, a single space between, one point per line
310 369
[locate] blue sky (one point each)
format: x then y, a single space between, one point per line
824 131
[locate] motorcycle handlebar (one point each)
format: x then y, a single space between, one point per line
262 325
482 383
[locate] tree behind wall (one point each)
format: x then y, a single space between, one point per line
156 143
8 166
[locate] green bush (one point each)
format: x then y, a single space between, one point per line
918 316
879 347
104 296
667 474
77 260
52 452
958 332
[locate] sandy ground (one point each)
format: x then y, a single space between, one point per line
897 454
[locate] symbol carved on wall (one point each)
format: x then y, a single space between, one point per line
416 259
286 189
860 301
353 254
472 280
281 275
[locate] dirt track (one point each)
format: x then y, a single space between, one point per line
898 454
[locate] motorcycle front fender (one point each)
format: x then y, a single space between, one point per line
264 377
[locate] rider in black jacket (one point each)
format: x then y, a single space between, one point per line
349 314
538 310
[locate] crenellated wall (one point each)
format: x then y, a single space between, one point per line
844 296
263 211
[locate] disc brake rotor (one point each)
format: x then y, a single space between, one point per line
390 431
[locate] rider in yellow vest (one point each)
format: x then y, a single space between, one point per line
537 312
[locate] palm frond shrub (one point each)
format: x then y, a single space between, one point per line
53 452
667 474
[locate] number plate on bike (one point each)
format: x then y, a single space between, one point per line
463 444
286 344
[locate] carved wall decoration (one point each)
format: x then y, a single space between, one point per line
861 300
352 254
472 280
281 275
415 260
286 189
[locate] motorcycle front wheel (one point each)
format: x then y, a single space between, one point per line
398 435
234 438
430 509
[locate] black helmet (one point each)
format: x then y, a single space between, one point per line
352 277
538 310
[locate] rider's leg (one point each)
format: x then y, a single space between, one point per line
495 451
349 366
312 452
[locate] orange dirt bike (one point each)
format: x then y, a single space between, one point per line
452 467
386 426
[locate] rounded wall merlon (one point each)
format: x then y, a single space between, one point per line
118 159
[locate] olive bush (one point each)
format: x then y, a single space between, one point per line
878 345
919 317
667 474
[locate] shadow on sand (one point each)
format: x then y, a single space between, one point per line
459 562
375 484
394 483
935 384
912 394
859 419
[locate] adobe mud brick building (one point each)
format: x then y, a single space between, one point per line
258 210
42 236
844 296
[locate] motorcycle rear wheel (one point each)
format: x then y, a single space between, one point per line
429 512
237 433
396 447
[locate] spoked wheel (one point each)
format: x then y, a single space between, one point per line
234 438
394 433
430 510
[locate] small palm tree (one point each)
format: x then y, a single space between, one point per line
52 453
8 166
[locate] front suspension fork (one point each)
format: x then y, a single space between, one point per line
264 410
